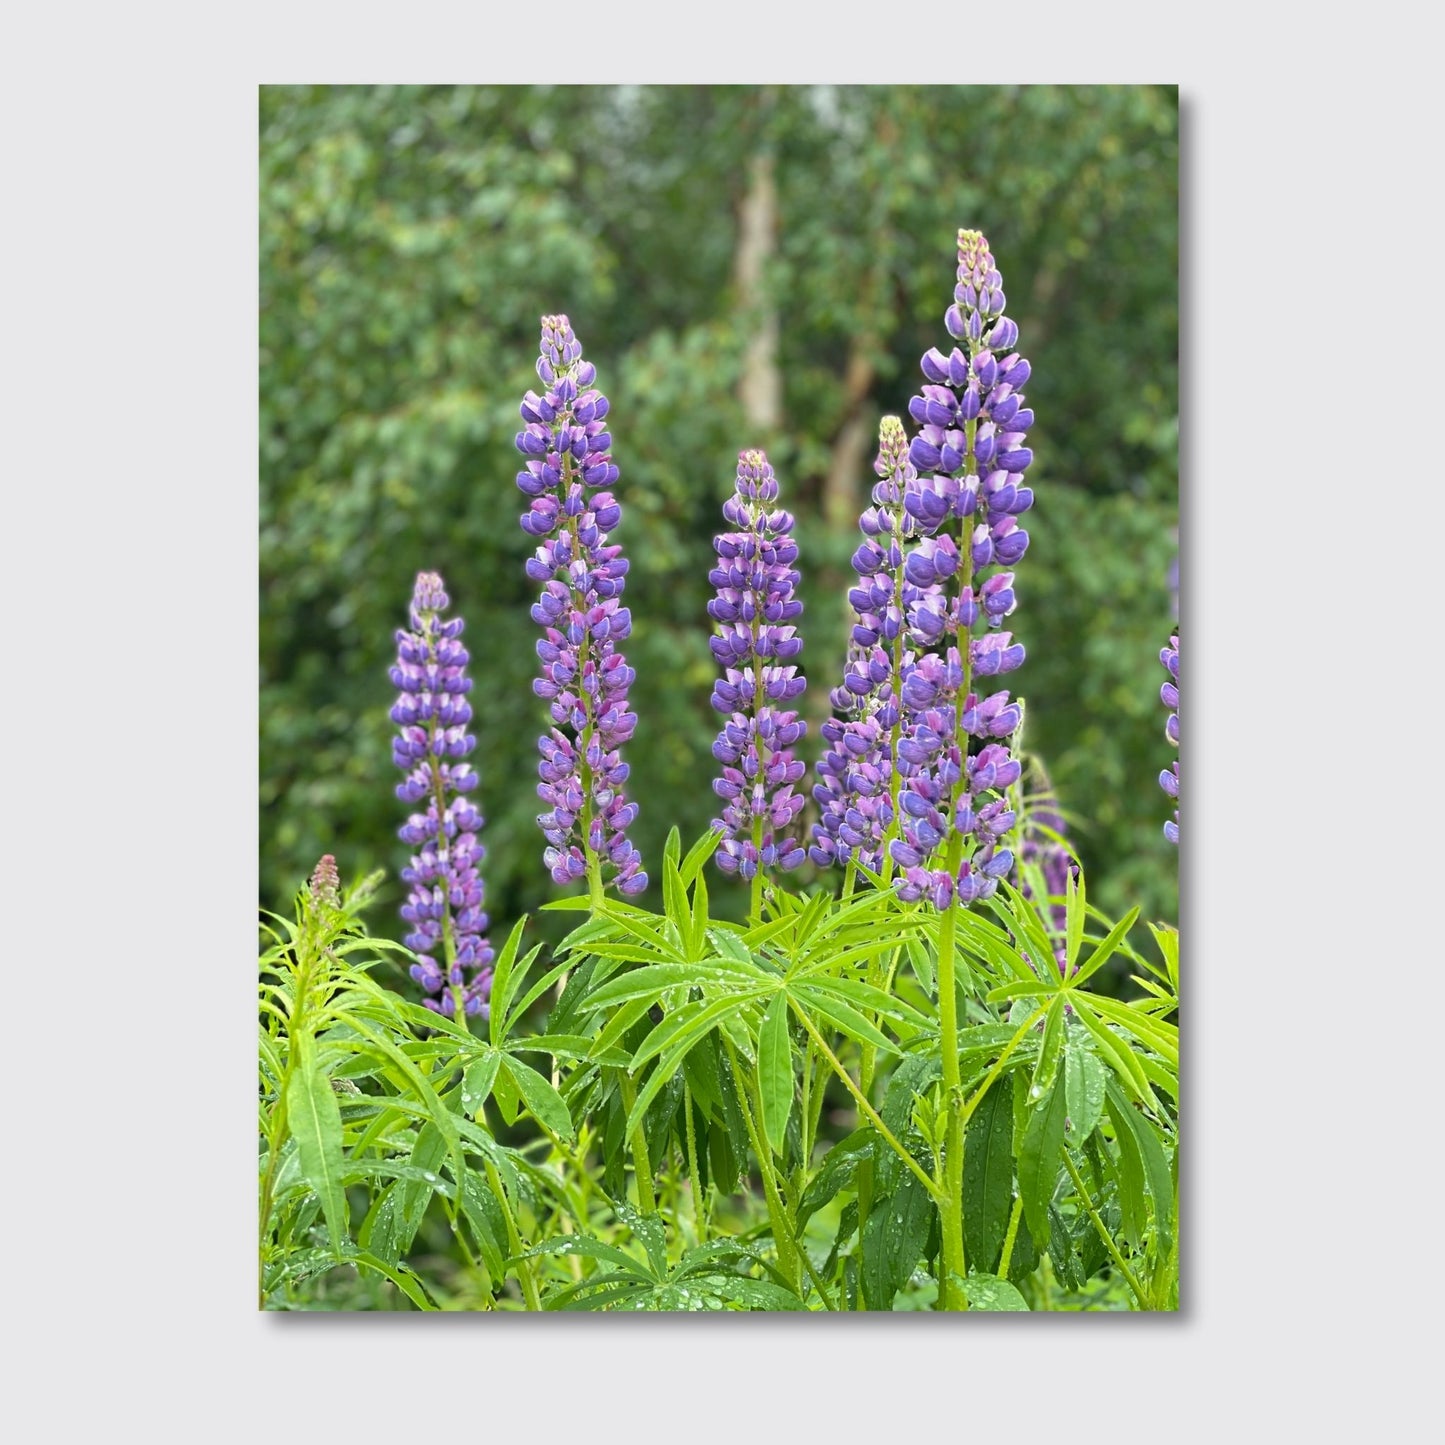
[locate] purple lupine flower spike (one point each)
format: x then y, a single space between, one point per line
857 787
972 427
584 676
444 906
326 882
755 641
1169 695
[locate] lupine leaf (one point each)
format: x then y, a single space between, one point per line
545 1103
988 1173
775 1072
1038 1159
989 1293
1101 955
893 1238
1083 1090
502 980
477 1082
315 1122
1046 1069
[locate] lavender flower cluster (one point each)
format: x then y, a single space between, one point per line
584 676
755 610
444 905
1169 695
856 788
964 513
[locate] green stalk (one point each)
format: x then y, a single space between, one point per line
641 1164
869 1112
1104 1234
952 1162
699 1203
514 1239
777 1212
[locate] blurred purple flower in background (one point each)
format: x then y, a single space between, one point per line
754 643
1169 695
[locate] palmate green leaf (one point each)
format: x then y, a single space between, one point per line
537 989
404 1278
1022 920
837 1170
1084 1078
688 1022
648 1230
1050 1049
893 1237
1116 1053
991 943
589 1247
1167 939
652 981
1105 950
644 927
671 1060
544 1102
922 962
672 848
1145 1151
843 1016
414 1196
502 981
420 1089
753 1294
477 1082
1038 1158
988 1173
1160 1036
691 866
867 996
775 1072
315 1122
989 1293
599 1293
483 1211
696 932
1075 906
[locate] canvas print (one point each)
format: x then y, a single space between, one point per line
719 699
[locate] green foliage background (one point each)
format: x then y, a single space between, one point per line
412 237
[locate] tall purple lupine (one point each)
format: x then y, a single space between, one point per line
584 676
754 609
1169 695
970 443
857 788
444 905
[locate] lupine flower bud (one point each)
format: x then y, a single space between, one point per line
326 882
754 609
444 906
972 426
1169 695
584 676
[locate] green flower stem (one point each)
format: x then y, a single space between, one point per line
869 1112
952 1162
755 897
699 1200
641 1165
1103 1233
777 1211
1013 1230
514 1239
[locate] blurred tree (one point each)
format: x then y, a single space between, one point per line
411 237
